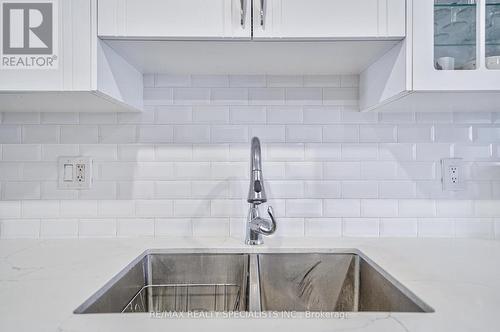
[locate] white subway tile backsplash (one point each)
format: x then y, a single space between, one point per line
20 228
415 134
379 208
472 117
10 134
285 81
332 81
359 189
360 227
322 189
302 133
487 134
153 208
181 167
191 208
472 152
211 114
380 170
359 151
21 152
266 96
192 134
99 152
40 134
21 190
210 227
173 115
453 134
10 209
155 134
135 227
147 116
170 189
341 133
74 134
398 227
304 208
97 118
247 114
434 117
323 151
136 152
269 133
435 228
432 151
229 134
21 118
158 96
172 81
58 228
51 152
247 81
321 115
341 208
340 96
284 115
79 209
323 227
229 96
214 81
96 228
303 96
377 133
191 96
417 208
173 227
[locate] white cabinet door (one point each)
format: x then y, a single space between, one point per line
175 19
71 55
467 52
329 19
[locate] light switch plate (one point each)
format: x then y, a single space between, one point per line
452 174
75 172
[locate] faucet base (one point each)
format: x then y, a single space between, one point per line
256 242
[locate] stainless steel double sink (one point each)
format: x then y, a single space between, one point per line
159 281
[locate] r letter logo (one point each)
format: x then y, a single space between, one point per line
29 34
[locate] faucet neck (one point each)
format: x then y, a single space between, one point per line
256 192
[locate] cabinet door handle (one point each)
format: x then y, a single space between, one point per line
262 12
243 14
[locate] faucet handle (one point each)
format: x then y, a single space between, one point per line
270 212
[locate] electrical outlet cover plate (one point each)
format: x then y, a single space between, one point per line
452 175
75 172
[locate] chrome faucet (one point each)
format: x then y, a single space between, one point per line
257 226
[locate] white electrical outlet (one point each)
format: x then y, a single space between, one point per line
75 172
452 174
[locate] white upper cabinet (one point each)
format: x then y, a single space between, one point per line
175 19
449 61
329 19
68 68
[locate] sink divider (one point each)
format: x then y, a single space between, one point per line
254 284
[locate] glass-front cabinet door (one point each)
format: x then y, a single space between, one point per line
492 34
456 45
455 42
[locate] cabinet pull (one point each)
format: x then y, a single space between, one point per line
243 14
262 12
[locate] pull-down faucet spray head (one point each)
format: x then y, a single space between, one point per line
256 192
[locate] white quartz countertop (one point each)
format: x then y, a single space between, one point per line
42 282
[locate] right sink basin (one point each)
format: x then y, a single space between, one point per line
330 282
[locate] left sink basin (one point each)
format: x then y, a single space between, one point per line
175 283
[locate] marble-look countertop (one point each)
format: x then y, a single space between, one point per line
43 281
